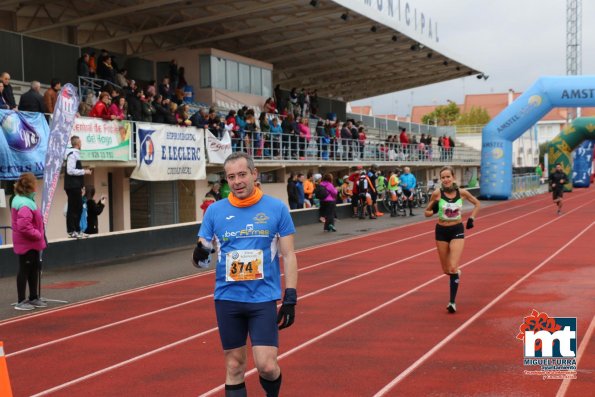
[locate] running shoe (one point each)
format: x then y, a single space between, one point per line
452 308
24 305
38 303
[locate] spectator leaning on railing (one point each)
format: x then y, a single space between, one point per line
135 105
117 110
160 110
147 109
100 110
32 101
3 104
7 93
51 95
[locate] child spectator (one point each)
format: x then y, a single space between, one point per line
346 192
94 209
28 241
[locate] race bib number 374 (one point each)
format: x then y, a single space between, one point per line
244 265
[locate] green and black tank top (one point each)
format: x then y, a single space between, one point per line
450 209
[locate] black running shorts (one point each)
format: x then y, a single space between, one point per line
448 233
557 193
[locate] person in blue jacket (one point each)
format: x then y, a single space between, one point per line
408 184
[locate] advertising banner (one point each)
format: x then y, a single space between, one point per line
23 143
103 140
169 153
62 121
218 150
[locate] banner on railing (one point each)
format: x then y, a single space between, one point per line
169 153
218 150
23 143
103 140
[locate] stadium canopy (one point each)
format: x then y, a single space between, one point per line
347 49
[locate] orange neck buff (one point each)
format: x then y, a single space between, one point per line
248 201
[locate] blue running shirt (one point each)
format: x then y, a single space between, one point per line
247 248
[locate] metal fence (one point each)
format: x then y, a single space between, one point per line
524 183
383 124
264 146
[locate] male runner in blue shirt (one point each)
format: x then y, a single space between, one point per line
248 230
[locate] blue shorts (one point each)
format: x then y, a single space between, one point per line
238 319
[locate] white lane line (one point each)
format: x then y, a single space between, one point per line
453 334
366 314
297 348
66 338
581 351
206 273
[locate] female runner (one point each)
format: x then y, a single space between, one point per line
450 233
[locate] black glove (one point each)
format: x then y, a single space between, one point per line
201 255
286 315
470 223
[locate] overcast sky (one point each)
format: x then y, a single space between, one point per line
514 42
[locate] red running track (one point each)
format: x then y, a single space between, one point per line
371 319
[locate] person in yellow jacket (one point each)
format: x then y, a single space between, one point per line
393 186
308 189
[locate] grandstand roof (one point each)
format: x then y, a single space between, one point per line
309 46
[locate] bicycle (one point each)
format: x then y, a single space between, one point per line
386 201
421 196
361 200
398 207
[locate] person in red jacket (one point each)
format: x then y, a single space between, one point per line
28 241
404 140
101 110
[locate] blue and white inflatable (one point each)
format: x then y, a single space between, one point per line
536 102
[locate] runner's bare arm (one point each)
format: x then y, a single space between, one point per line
433 201
473 200
289 261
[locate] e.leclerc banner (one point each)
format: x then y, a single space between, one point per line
169 153
23 143
218 150
102 139
62 121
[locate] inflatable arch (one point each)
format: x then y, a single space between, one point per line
498 135
582 167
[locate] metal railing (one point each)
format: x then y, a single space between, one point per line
289 147
86 84
383 124
266 146
524 183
